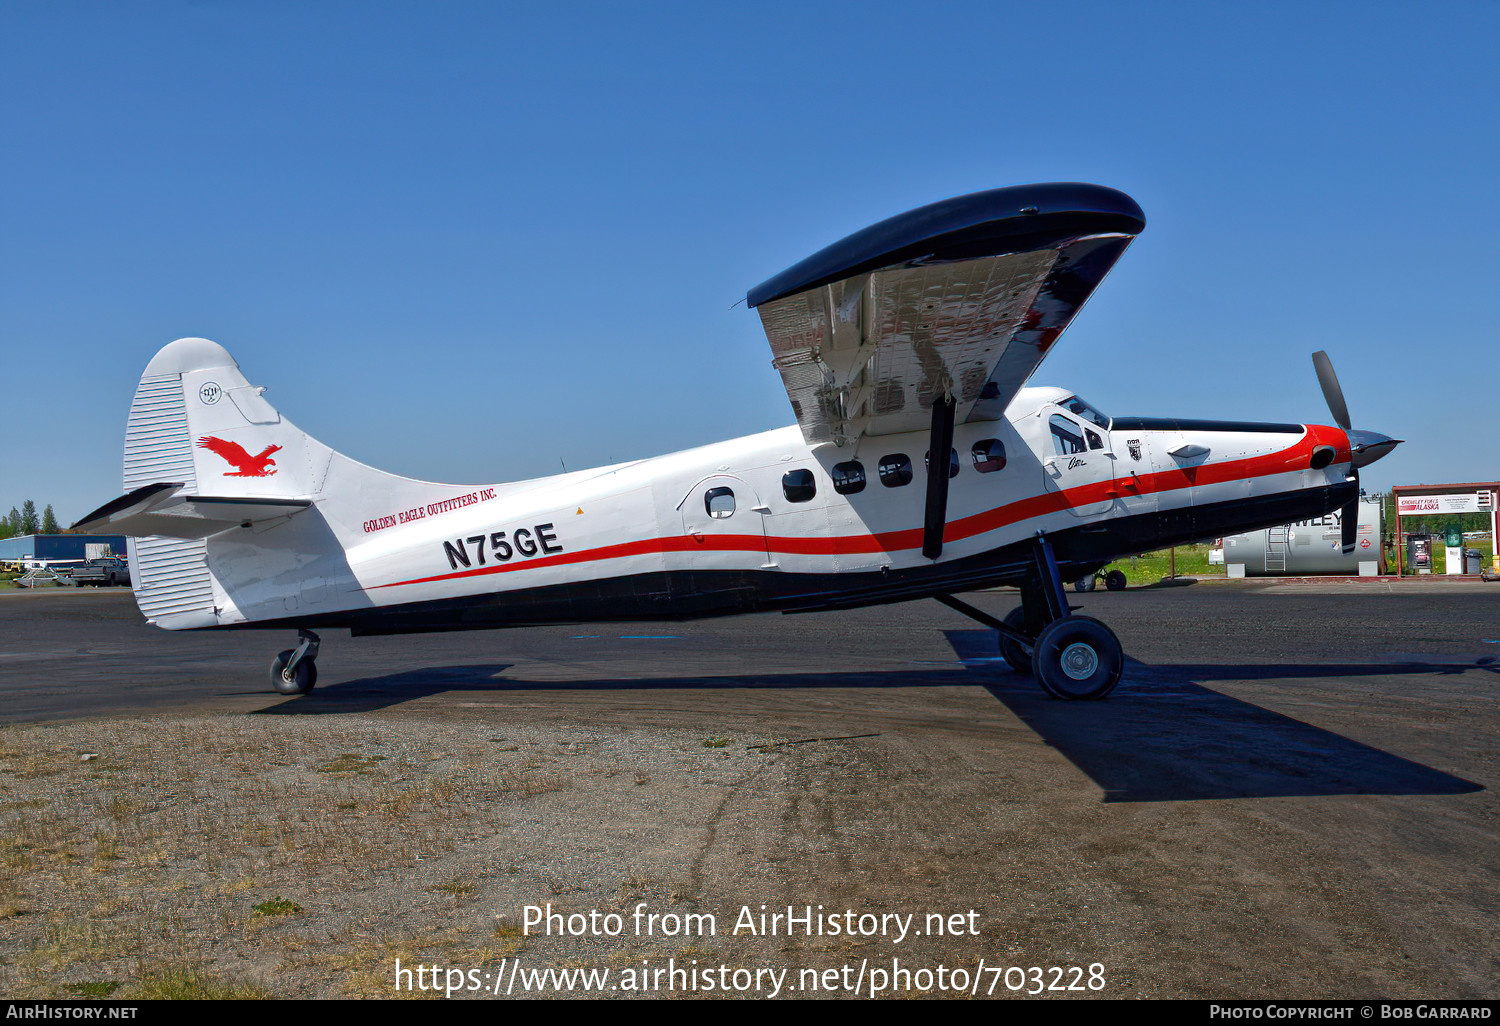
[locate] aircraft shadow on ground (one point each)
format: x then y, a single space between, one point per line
1162 736
367 694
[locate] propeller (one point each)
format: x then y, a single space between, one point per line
1365 447
1333 395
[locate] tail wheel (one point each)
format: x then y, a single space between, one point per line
1085 583
1077 658
299 681
1114 580
1013 652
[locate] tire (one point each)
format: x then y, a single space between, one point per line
303 677
1077 658
1013 652
1086 583
1114 580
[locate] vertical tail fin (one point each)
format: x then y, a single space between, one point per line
228 461
200 420
197 422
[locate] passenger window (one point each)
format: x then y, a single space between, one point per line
719 502
895 470
989 455
849 478
798 485
1095 442
952 461
1066 438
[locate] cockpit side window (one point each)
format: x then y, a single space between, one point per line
1095 442
1075 405
1067 437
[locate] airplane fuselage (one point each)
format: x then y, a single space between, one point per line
769 522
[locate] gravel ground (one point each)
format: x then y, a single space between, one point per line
1291 795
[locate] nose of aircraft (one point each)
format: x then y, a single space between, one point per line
1365 446
1369 446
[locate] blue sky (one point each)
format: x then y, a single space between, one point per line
466 242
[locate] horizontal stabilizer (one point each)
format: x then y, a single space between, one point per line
158 509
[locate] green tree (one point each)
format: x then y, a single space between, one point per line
28 517
49 521
13 521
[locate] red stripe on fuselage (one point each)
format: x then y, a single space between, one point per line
1295 457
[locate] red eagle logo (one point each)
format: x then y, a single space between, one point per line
249 466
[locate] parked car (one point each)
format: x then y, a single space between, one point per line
109 570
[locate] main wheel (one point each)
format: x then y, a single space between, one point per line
1013 652
1115 580
1077 657
299 682
1085 583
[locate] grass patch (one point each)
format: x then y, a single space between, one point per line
717 742
183 984
95 988
159 861
276 907
1150 567
351 763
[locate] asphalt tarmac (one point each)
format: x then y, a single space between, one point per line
1291 793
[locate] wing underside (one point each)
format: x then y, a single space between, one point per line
959 301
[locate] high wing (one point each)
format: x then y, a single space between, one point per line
956 301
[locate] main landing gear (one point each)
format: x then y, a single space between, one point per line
1073 657
1114 581
294 672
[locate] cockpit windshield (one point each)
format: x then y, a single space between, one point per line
1075 405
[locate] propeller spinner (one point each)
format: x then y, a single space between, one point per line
1365 447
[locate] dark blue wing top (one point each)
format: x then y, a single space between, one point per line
981 224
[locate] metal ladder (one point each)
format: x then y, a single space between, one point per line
1276 546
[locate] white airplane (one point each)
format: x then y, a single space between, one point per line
912 337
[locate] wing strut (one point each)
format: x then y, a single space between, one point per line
938 445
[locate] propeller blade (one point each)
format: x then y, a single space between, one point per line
1349 517
1332 393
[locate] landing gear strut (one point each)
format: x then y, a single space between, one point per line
1073 657
294 672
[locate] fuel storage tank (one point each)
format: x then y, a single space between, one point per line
1308 546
